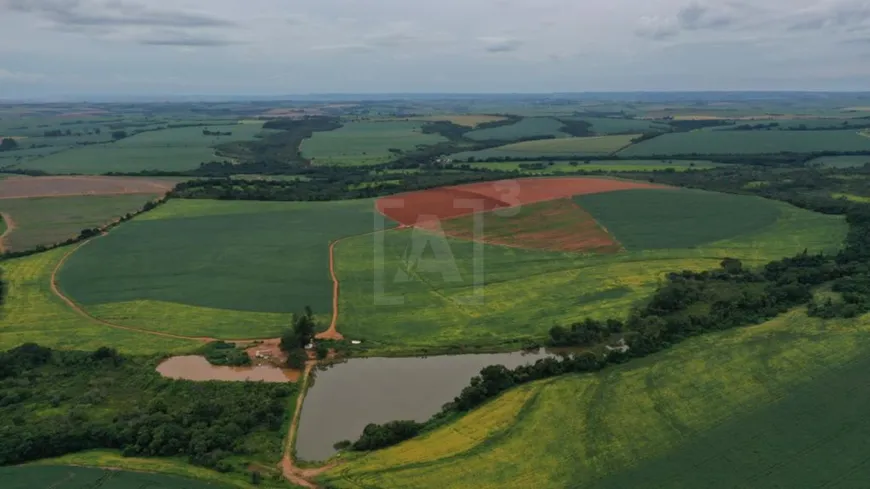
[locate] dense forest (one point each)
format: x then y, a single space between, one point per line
691 303
67 401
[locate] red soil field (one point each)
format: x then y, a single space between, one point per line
558 225
415 208
24 187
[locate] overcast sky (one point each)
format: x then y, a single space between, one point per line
259 47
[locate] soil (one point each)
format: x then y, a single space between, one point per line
198 369
19 188
422 207
10 226
332 333
560 226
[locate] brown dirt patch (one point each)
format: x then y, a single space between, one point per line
17 188
558 225
418 208
197 368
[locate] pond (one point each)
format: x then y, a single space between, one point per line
197 368
346 397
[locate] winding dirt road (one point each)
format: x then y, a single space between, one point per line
10 226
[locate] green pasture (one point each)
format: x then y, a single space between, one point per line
56 477
214 268
781 404
852 198
564 147
423 294
168 149
32 313
667 219
561 166
524 128
366 143
49 220
748 142
840 161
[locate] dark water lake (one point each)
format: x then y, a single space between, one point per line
346 397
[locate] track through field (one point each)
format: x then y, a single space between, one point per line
10 226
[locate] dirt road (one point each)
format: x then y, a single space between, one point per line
10 226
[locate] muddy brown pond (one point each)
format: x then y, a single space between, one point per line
346 397
197 368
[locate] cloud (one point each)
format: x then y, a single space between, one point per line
656 28
500 44
173 38
111 13
20 76
839 15
696 16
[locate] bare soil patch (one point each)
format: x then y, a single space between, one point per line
10 226
16 188
422 207
559 225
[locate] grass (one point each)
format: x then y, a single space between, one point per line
748 142
852 198
50 220
228 270
525 128
840 161
169 149
588 146
420 302
366 143
32 313
663 219
60 477
615 166
776 405
467 120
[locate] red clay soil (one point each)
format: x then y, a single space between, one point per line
332 333
559 225
24 187
418 208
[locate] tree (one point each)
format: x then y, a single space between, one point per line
8 144
732 265
296 359
116 135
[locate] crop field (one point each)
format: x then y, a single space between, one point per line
168 149
33 313
840 161
525 128
614 166
590 146
31 477
852 198
366 143
435 291
775 405
663 219
21 187
211 268
748 142
611 125
49 220
467 120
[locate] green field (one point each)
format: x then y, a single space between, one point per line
366 143
50 220
664 219
564 147
598 165
33 313
840 161
168 149
608 125
467 120
781 404
32 477
420 304
220 269
748 142
525 128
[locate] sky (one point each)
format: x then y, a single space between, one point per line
54 48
